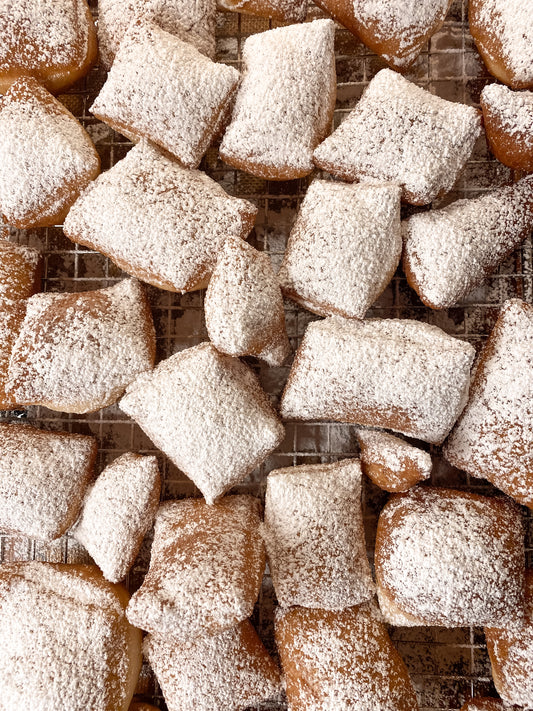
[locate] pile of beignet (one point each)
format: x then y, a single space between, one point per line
71 635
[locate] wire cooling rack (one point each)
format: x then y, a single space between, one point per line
447 666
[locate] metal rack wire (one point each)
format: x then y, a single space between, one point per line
447 666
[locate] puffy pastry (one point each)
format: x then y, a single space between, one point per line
280 10
341 660
401 133
494 435
205 571
231 670
118 511
449 252
244 307
403 375
284 106
43 479
344 247
450 558
315 536
503 33
508 118
162 223
53 41
65 640
164 89
207 412
78 352
194 20
392 463
46 157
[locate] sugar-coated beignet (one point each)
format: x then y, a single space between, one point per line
281 10
205 571
164 89
53 41
392 463
230 671
46 157
78 352
195 20
162 223
208 413
65 640
395 29
503 33
341 660
511 655
450 558
508 118
493 438
43 478
486 704
244 307
315 536
118 511
403 375
401 133
284 106
344 247
449 252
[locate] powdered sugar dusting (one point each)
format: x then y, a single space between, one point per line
194 19
118 511
285 102
158 221
512 109
43 477
394 454
451 558
244 307
282 10
493 438
399 132
209 415
162 88
231 670
344 247
46 156
18 270
205 571
78 352
399 374
449 252
315 536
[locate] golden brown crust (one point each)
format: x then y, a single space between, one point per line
280 10
511 147
486 704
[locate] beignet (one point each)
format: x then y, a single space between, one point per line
284 106
449 252
43 478
117 513
208 413
53 41
65 640
315 536
392 463
46 157
403 375
508 118
341 660
244 307
162 223
230 671
503 33
78 352
164 89
195 20
205 571
493 438
344 247
280 10
400 133
450 558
